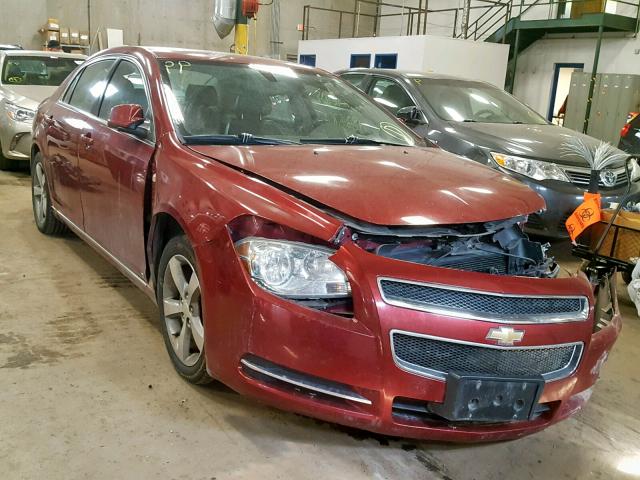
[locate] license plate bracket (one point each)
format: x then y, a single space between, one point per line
476 398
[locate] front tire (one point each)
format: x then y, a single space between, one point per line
45 218
179 303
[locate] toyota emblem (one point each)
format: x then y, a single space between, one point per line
608 178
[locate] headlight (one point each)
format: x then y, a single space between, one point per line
293 269
19 114
531 168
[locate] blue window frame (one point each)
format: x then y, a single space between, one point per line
386 60
360 60
309 60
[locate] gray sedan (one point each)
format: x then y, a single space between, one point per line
26 78
483 123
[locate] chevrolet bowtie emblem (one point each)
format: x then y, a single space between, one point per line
505 335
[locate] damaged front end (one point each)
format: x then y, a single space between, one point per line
498 248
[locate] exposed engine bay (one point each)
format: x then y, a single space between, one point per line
499 248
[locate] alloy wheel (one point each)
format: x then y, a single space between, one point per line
40 200
181 309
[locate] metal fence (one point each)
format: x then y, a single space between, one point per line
477 19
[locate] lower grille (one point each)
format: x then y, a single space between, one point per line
455 301
535 222
562 223
494 263
436 357
418 410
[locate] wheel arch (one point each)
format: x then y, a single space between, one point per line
163 227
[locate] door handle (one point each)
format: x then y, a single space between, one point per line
87 140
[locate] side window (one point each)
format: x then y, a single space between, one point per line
355 79
71 87
90 86
390 94
126 86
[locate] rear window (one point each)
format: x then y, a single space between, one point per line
43 70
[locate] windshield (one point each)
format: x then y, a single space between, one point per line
47 70
468 101
215 102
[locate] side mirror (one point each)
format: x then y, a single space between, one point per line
128 118
411 115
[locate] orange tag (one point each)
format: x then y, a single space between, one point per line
584 216
596 196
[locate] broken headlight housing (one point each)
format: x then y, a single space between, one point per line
535 169
293 269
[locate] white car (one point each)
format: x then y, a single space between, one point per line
26 78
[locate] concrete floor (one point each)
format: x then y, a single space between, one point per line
87 391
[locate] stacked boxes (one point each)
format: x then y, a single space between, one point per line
64 35
74 36
51 30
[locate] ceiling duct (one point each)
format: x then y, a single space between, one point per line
224 16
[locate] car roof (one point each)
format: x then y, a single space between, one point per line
400 73
8 46
40 53
176 54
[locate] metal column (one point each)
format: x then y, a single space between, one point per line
241 39
514 61
592 82
466 11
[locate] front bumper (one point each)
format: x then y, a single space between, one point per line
15 138
562 198
356 354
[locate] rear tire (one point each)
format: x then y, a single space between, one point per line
43 214
179 303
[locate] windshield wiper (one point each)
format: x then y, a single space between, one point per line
240 139
469 120
350 140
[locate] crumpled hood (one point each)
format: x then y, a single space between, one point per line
28 96
541 142
387 185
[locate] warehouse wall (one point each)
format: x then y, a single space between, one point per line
425 53
20 21
180 23
536 64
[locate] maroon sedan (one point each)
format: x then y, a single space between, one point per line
305 249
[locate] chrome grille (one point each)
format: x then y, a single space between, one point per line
436 357
580 176
459 302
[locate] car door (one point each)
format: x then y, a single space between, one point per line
66 123
114 164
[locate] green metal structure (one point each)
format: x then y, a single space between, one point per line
507 23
